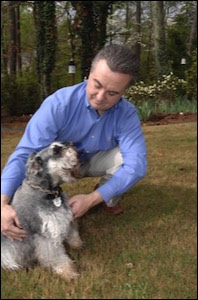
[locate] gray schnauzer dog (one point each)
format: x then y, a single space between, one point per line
42 209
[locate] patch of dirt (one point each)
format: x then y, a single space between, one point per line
172 119
15 122
21 121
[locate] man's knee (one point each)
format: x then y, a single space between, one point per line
103 163
107 162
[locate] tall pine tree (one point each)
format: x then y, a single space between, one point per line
45 22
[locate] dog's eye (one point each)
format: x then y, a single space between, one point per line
39 160
56 150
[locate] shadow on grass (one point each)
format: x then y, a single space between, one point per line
152 200
145 203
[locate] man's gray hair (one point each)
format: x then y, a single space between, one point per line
119 58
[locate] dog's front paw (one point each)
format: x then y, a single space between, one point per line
68 272
76 243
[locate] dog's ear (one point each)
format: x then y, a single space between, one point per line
31 156
37 163
34 164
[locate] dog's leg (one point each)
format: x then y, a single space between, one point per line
16 254
51 254
10 255
73 238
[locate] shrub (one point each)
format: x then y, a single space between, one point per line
167 89
20 95
191 78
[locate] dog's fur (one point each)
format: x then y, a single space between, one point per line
42 209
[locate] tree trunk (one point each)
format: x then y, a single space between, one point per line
138 30
90 24
19 61
161 61
86 26
44 14
193 32
13 37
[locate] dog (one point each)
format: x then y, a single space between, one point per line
44 213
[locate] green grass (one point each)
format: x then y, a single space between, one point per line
149 252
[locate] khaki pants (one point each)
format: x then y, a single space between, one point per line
104 164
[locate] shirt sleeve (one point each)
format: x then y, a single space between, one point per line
41 130
133 149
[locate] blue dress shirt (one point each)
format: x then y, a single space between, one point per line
66 115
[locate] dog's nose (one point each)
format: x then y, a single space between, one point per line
56 149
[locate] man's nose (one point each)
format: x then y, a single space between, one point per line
101 95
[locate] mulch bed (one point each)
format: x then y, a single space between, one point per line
172 119
14 122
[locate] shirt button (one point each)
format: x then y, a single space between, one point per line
92 136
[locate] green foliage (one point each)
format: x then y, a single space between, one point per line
28 41
165 89
180 105
163 97
20 95
177 36
191 78
150 109
145 110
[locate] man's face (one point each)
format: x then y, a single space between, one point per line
104 87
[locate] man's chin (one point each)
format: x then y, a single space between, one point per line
98 106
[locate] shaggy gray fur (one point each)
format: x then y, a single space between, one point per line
42 209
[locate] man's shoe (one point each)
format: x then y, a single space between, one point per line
115 210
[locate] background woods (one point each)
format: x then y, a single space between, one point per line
39 38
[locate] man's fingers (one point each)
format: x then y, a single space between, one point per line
16 221
14 233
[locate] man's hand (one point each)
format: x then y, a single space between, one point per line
80 204
10 225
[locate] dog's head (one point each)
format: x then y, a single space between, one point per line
57 163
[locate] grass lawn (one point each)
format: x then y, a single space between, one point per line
150 251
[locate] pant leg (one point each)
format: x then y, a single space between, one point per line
104 164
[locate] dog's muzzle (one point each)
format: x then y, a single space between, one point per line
75 172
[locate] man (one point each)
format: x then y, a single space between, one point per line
104 127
